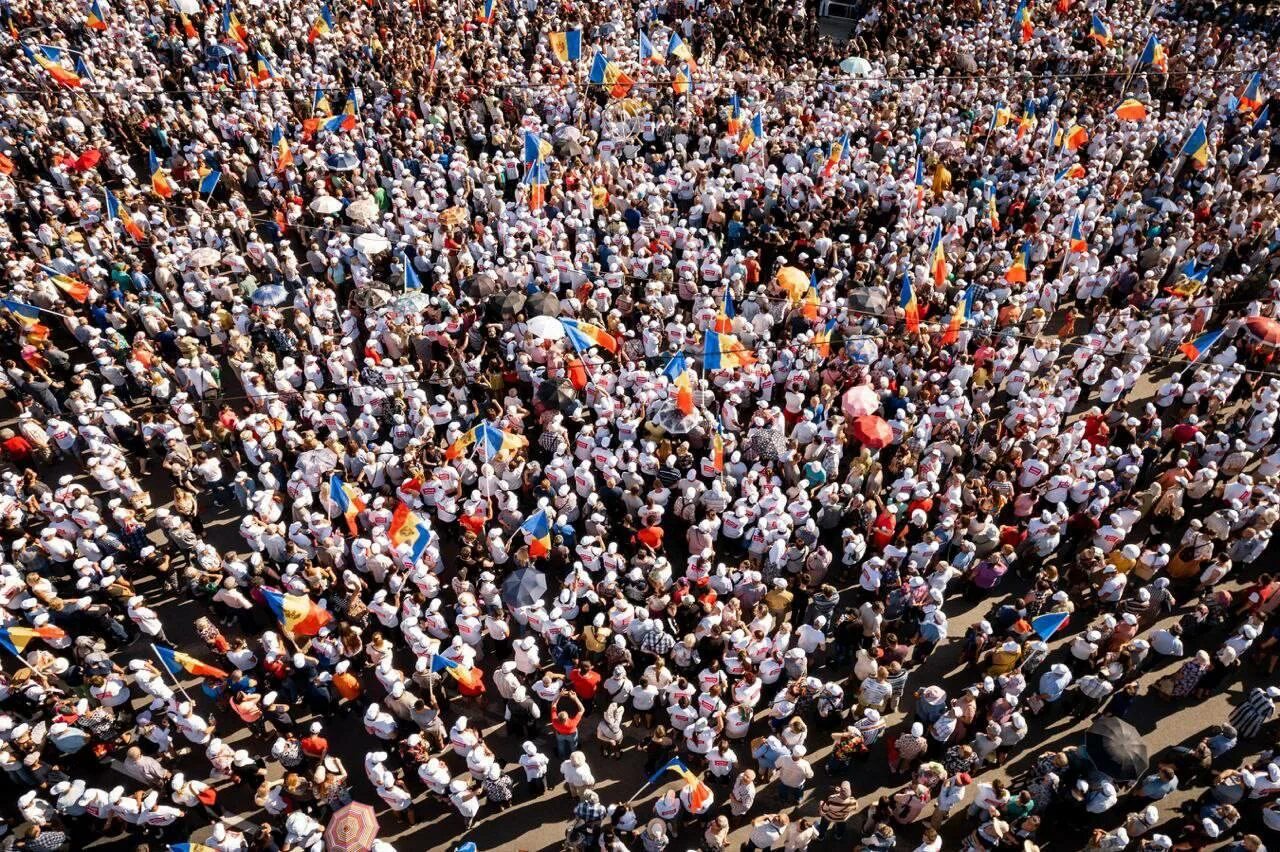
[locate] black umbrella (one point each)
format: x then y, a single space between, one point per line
557 393
514 301
543 303
766 444
524 588
869 301
1116 749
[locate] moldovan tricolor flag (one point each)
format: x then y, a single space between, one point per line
299 614
177 662
1195 348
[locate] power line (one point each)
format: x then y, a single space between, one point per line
784 80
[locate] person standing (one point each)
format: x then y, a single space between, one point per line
836 810
766 832
565 724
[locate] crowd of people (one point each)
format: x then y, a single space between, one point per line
652 378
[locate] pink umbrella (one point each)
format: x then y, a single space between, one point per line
858 401
871 431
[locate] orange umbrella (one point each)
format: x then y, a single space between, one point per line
871 431
793 281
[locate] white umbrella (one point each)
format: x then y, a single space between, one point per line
362 210
860 400
856 66
204 256
325 204
372 244
548 328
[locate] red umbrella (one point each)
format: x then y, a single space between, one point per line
871 431
1265 330
88 159
351 829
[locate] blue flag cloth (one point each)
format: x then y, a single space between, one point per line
1048 624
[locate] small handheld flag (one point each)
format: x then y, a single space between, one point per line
754 131
1193 349
470 677
1250 99
584 335
96 20
117 211
59 74
1153 55
1076 138
735 115
724 352
1022 29
835 155
209 182
177 662
538 528
1078 243
699 793
1048 624
1100 31
677 48
346 499
323 25
1017 273
159 183
677 370
1197 146
15 639
907 301
535 147
607 74
298 614
683 81
647 53
537 180
567 46
937 257
411 279
284 157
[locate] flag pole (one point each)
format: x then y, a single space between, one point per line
24 663
164 667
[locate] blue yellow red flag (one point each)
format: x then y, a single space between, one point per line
910 307
1197 146
1193 349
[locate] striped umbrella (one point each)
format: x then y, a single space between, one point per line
351 829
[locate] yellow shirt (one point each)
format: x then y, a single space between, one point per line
941 180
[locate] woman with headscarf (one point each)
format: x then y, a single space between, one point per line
577 774
716 836
907 748
654 837
909 802
609 731
1184 681
836 810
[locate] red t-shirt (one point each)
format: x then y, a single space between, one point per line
568 726
585 684
650 537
